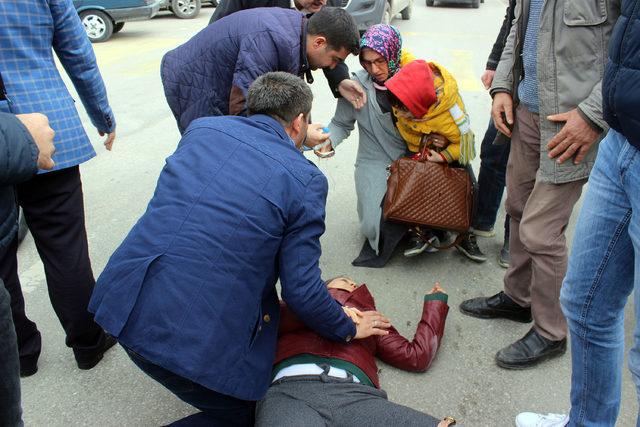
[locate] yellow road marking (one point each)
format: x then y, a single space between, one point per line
462 69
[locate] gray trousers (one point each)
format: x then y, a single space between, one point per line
539 216
320 400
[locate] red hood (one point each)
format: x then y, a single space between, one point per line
413 86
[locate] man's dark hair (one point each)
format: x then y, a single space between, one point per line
280 95
337 26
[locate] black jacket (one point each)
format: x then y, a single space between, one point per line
18 162
621 82
230 6
498 46
334 77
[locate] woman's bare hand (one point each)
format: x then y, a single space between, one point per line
437 289
434 156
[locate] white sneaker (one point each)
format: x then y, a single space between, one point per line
531 419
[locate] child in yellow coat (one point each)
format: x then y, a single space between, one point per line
430 111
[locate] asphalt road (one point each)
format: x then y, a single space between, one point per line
463 381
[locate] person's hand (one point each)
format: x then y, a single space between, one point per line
325 151
38 126
487 78
576 136
434 156
353 313
353 92
502 103
447 421
372 323
436 289
437 140
108 143
315 135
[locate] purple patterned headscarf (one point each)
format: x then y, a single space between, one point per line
385 40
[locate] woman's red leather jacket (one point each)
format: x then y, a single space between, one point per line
294 338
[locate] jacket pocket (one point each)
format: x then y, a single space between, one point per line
582 13
256 329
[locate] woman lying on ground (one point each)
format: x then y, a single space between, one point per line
319 382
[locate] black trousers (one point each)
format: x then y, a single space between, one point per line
53 207
10 410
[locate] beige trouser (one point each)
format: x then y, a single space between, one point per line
539 216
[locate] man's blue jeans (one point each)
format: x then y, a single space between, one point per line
491 181
599 279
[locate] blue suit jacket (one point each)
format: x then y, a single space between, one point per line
192 287
29 29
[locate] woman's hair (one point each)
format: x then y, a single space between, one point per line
326 282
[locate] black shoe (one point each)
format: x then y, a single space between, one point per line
419 244
469 248
529 351
504 259
494 307
30 350
28 366
91 361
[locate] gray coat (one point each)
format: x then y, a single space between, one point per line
573 41
378 146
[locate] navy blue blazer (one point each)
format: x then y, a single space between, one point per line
621 81
192 287
210 74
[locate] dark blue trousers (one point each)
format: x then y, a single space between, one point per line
218 410
491 181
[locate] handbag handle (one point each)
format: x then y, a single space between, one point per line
424 151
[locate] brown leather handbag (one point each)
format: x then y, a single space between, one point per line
430 194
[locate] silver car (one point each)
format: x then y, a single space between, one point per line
371 12
185 9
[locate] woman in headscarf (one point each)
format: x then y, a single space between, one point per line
381 56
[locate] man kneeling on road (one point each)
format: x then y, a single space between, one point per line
190 293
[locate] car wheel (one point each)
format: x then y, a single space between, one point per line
118 27
185 9
406 12
386 15
22 226
98 25
430 2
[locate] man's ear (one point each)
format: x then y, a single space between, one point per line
319 41
296 124
295 128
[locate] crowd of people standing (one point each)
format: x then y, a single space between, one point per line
213 242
